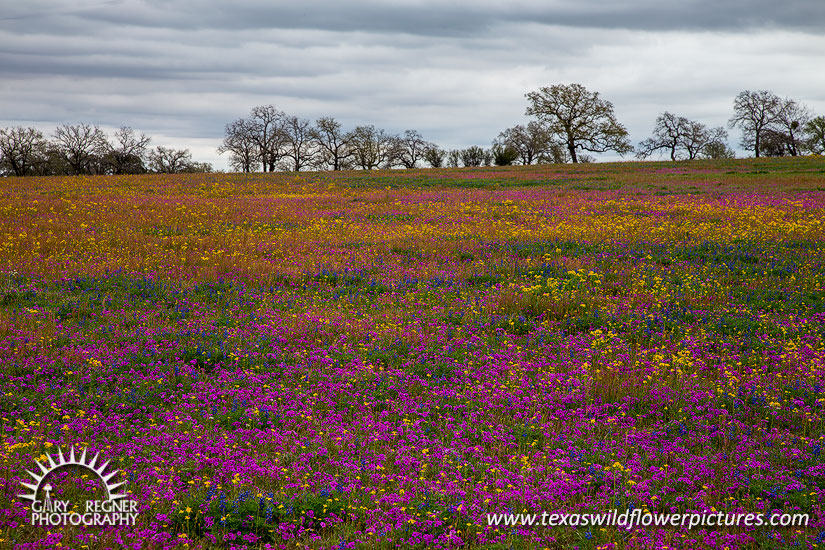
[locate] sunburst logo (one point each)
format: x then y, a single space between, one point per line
115 510
62 462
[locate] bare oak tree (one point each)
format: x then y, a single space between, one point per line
754 112
667 135
411 148
373 147
333 145
791 118
126 152
681 137
241 144
298 145
165 160
701 141
579 118
21 150
268 128
81 146
695 136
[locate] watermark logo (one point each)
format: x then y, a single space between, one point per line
116 509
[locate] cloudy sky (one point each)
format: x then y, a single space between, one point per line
457 71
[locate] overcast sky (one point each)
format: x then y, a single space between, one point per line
179 70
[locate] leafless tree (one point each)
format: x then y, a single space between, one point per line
696 138
126 152
716 144
256 141
299 146
81 146
333 145
268 128
668 134
754 112
681 137
395 155
579 118
411 148
791 118
241 143
21 150
164 160
372 147
366 146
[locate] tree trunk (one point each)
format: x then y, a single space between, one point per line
571 146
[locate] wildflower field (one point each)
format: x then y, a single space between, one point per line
381 359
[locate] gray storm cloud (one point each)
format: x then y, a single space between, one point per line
181 70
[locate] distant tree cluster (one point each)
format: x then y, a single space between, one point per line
682 138
771 127
775 127
269 140
84 149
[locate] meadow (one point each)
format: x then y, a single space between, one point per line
380 359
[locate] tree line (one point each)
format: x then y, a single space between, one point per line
569 122
269 140
83 149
